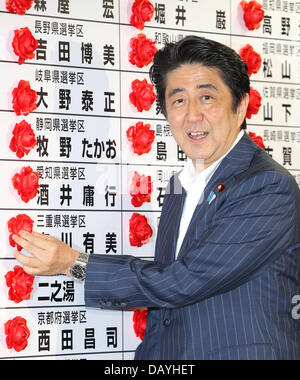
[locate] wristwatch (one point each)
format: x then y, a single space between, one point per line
78 269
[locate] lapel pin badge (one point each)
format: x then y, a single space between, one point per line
212 196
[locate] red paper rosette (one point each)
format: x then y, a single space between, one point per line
23 140
17 334
24 99
257 139
141 137
140 190
251 58
26 183
142 11
17 224
20 284
18 6
140 231
142 96
142 51
24 44
253 14
255 100
140 323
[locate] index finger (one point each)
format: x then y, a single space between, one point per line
42 236
29 246
35 240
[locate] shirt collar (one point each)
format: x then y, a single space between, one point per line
189 176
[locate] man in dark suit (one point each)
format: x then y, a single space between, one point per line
227 260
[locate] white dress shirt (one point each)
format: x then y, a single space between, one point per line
194 184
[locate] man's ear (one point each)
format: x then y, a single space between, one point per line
242 109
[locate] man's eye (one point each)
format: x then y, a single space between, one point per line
206 97
178 101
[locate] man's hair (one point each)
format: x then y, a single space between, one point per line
208 53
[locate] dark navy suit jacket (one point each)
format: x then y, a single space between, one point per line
229 293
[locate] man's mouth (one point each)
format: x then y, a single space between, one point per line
198 136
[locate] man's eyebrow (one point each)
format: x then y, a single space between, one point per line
174 92
198 87
208 85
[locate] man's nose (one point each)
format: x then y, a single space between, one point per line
194 112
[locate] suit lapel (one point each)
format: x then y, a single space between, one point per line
236 162
170 222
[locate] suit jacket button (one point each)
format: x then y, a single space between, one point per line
167 322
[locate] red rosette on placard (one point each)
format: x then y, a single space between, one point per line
253 14
142 11
140 323
141 137
20 284
140 190
140 231
24 44
26 183
24 99
18 6
142 96
255 100
17 224
257 139
23 140
142 51
17 334
251 58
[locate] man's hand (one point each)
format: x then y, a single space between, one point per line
50 255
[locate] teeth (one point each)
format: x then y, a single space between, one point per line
198 134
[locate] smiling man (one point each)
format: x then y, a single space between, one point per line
227 257
200 112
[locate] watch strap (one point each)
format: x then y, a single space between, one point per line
83 258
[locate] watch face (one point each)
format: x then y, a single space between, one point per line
78 272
